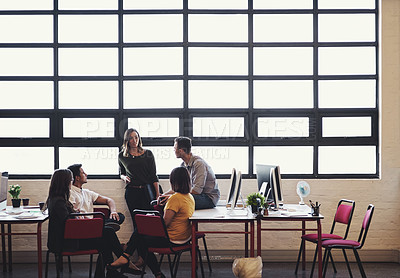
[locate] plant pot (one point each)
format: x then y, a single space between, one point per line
254 208
16 203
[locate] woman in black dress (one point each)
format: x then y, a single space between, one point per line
138 171
59 209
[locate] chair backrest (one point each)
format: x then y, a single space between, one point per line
84 228
149 223
344 215
104 210
365 224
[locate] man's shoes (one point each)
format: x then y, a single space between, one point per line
113 225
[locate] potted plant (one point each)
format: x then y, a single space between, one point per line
15 190
255 200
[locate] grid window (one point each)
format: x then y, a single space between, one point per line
287 82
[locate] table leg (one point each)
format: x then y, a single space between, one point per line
194 253
246 239
9 249
258 237
252 239
39 248
3 248
303 257
319 244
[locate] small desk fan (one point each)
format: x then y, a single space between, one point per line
303 190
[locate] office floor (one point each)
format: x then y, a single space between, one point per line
222 270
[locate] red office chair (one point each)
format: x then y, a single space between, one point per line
150 225
79 229
350 244
343 215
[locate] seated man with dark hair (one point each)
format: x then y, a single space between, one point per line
83 199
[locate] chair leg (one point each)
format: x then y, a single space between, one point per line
58 261
298 257
314 260
347 263
333 263
171 265
201 262
359 263
144 264
47 264
208 257
177 259
69 264
160 261
325 261
90 265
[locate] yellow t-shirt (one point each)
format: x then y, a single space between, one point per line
180 229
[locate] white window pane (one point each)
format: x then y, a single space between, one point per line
26 5
165 160
223 158
153 28
346 27
347 93
26 95
346 60
218 61
88 127
224 94
283 61
218 4
155 127
218 28
283 4
27 160
347 160
26 28
153 61
283 28
88 4
283 127
292 160
26 61
24 127
88 61
283 94
218 127
346 126
153 4
87 28
346 4
153 94
88 94
96 161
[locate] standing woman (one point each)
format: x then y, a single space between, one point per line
138 171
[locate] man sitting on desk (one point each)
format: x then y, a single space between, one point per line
204 183
83 199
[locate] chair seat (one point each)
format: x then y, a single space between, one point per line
341 242
168 250
82 252
314 237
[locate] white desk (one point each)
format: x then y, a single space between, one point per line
12 219
220 214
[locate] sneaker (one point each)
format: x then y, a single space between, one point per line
113 225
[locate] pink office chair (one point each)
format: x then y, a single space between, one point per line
350 244
343 215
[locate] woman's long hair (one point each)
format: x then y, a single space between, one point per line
59 186
125 144
180 180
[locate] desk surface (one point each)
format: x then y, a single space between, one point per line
221 213
28 214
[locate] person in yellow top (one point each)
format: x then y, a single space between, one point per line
178 209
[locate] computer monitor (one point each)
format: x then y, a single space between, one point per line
232 188
270 183
238 189
3 190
